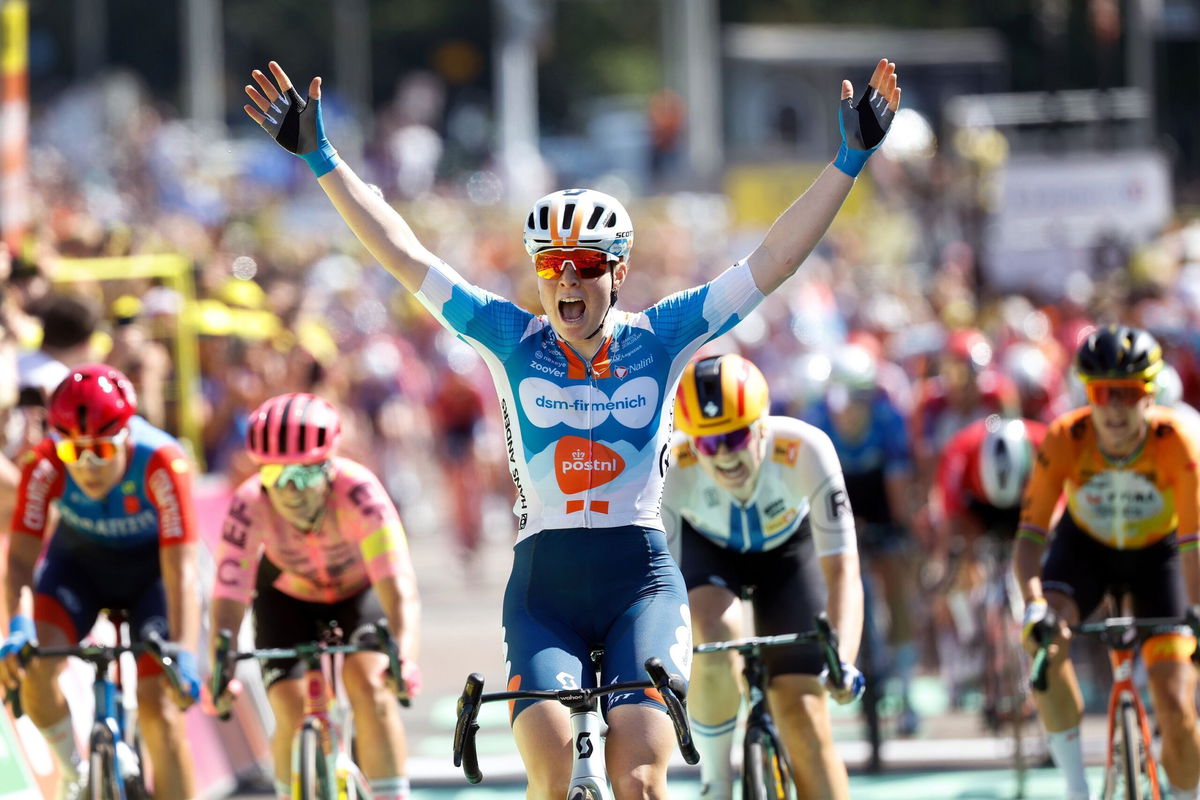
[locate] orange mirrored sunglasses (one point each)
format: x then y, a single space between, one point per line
1118 393
100 449
589 264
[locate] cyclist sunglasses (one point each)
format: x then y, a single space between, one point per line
589 264
99 449
1118 393
301 476
733 441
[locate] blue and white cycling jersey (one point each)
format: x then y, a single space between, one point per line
588 441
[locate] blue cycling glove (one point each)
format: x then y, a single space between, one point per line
189 673
296 123
21 632
863 126
853 684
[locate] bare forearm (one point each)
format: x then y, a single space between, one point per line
22 557
844 604
181 582
226 615
398 596
380 228
1027 567
797 230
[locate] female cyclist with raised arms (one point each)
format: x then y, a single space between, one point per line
582 393
313 538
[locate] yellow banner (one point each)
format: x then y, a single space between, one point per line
14 37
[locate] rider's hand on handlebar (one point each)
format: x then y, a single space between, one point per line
851 687
188 692
21 635
410 671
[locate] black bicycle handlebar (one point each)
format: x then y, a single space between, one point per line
823 634
100 655
1115 632
670 687
225 659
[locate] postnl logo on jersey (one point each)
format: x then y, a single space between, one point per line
583 465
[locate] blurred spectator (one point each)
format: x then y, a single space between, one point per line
145 361
68 323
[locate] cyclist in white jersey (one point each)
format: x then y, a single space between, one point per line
582 390
759 502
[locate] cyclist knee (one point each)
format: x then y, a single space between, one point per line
640 783
365 684
155 707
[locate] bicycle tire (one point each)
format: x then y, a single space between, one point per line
103 778
765 773
310 781
1131 747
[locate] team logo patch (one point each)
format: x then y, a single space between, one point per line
132 506
582 464
620 372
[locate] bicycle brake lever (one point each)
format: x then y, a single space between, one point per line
465 754
673 691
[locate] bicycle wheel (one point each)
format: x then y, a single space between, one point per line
765 773
104 782
310 781
1130 763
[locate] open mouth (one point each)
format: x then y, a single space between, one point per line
734 473
571 309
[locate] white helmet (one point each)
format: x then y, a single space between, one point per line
579 218
853 367
1170 386
1005 461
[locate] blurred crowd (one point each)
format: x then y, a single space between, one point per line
285 299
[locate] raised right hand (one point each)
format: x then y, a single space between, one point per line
293 121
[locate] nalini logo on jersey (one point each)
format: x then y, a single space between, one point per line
583 465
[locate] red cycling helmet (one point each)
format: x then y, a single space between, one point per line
92 401
294 428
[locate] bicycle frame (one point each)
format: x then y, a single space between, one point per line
327 723
1124 694
326 712
114 763
759 724
1121 635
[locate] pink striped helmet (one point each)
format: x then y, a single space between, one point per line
296 428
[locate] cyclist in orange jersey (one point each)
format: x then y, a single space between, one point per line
1128 470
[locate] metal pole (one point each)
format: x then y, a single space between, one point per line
91 34
352 57
1139 61
515 93
702 90
204 63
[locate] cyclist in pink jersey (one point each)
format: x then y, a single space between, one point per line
310 539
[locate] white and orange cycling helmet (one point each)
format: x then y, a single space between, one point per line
579 218
296 428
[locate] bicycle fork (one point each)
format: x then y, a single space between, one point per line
1124 696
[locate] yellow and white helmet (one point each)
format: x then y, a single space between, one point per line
579 218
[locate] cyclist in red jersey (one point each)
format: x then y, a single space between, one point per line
126 540
976 492
312 538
